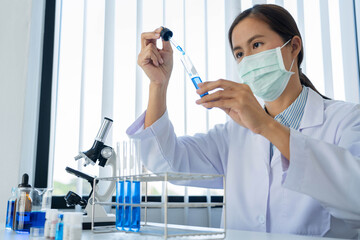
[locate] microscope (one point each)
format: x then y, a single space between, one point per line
105 156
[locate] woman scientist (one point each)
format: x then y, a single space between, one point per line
291 166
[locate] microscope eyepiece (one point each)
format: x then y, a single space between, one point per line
104 129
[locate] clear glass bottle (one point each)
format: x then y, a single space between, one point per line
10 209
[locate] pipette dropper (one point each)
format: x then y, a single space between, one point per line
166 35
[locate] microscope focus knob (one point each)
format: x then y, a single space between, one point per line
106 152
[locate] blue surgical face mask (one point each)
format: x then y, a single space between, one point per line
265 73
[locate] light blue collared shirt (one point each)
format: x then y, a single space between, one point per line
291 116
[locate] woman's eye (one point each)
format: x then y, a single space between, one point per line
257 44
238 55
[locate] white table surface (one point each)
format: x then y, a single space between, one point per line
230 235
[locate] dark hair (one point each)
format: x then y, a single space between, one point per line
281 22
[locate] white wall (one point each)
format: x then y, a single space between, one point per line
20 49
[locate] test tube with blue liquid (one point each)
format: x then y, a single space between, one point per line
127 192
122 154
190 69
135 184
128 188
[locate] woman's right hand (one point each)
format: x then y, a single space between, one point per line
156 63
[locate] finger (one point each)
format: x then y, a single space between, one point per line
216 96
222 104
157 54
211 85
149 37
147 56
153 53
154 59
166 46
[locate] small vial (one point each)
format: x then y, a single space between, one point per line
50 223
72 226
10 209
59 228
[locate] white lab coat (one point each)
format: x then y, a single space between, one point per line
316 193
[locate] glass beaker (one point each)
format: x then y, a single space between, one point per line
31 205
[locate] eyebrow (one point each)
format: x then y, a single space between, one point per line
248 41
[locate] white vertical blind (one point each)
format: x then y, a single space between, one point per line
312 36
337 61
349 53
300 22
326 48
139 79
279 2
97 74
357 15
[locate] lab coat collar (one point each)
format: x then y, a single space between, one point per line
314 111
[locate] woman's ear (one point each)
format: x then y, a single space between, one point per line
295 45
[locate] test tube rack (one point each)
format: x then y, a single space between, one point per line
165 229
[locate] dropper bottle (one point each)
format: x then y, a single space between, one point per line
166 34
23 206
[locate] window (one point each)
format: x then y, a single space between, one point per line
97 75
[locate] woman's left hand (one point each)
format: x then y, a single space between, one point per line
238 101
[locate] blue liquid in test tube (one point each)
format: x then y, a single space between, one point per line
127 213
119 208
189 67
135 214
128 188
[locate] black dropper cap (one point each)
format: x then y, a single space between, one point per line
24 181
166 34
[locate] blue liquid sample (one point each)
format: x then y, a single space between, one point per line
119 208
37 219
181 50
128 219
25 220
189 67
10 214
22 222
59 228
135 215
127 214
196 81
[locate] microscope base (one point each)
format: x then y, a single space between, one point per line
99 221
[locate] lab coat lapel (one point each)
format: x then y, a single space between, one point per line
263 150
313 112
